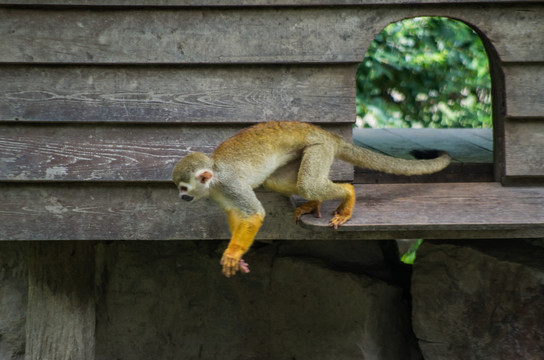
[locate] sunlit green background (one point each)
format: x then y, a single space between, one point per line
425 72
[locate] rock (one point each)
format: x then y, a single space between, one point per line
13 299
169 300
479 300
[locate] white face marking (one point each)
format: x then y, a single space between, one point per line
184 188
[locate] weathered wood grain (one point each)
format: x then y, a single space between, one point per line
233 94
184 36
199 3
524 85
444 211
60 320
130 211
524 148
241 35
154 212
113 153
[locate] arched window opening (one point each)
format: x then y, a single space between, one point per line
425 72
433 73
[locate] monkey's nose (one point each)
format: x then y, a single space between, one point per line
187 197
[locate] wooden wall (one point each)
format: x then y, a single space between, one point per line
99 99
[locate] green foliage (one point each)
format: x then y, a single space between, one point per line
410 256
425 72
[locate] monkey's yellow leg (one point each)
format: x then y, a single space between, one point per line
244 229
345 210
312 206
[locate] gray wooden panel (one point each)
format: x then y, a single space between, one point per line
112 153
524 85
185 36
154 212
247 2
178 94
130 212
238 35
524 148
451 211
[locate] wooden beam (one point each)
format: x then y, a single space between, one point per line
61 301
61 152
442 211
186 36
471 151
524 147
241 35
79 211
205 94
211 3
524 88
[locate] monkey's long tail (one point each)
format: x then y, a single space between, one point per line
369 159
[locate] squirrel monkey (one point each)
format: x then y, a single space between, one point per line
286 157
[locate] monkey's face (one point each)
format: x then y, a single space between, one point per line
193 176
197 187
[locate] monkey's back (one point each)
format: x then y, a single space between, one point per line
261 149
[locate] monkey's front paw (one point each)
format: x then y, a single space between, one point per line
232 264
339 219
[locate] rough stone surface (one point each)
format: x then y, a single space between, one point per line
168 300
479 300
13 300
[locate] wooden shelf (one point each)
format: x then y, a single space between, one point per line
471 151
440 211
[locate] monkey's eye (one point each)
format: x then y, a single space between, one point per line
183 188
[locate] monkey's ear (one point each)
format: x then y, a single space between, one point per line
204 176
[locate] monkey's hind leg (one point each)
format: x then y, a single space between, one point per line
243 229
284 181
313 182
344 212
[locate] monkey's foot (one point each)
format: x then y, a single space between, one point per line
313 206
345 210
232 264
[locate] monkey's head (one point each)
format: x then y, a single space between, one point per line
193 175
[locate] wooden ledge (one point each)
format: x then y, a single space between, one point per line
439 211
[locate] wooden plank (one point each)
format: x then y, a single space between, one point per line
113 153
482 138
234 94
524 85
524 148
154 212
90 211
166 36
452 211
198 3
241 35
61 301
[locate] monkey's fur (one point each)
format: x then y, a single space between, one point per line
287 157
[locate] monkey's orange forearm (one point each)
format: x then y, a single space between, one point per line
244 229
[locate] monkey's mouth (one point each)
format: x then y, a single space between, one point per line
187 197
